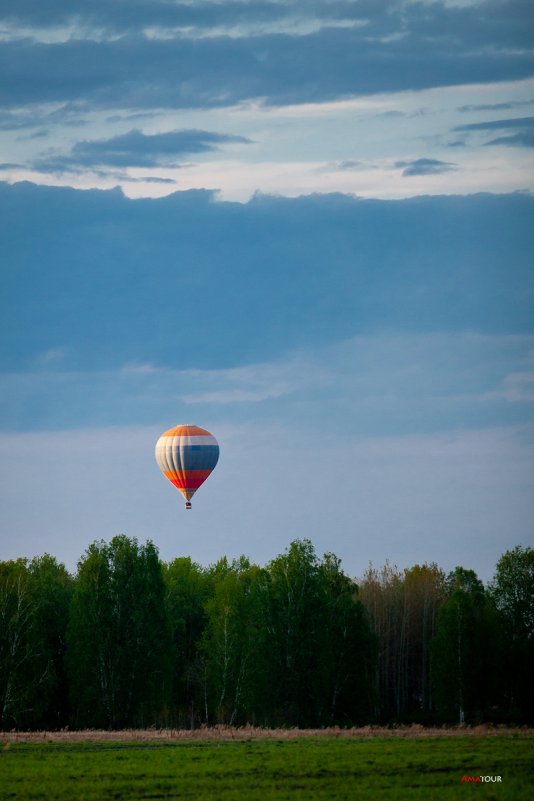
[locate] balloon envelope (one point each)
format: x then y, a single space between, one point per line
186 455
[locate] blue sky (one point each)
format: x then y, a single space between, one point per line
305 227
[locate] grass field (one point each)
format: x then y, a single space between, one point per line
389 768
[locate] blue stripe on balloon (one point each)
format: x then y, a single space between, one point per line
192 457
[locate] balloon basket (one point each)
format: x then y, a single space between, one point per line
188 504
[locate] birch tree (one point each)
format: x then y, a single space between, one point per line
119 636
462 649
233 642
16 648
188 588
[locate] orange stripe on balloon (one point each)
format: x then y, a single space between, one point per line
186 431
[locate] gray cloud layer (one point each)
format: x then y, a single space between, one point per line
187 282
425 167
386 49
521 131
135 149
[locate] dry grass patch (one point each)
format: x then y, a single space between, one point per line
226 733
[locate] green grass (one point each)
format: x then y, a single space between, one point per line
381 768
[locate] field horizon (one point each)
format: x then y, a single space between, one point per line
249 732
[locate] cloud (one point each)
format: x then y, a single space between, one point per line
52 356
343 49
524 138
495 125
156 180
348 165
37 115
508 106
392 114
523 128
250 384
186 282
136 149
365 386
519 387
226 396
40 133
425 167
372 385
175 20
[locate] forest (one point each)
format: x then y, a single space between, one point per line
132 641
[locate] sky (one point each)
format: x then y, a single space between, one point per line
307 227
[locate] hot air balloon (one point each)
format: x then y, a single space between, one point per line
187 455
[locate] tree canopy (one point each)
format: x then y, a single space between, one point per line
132 641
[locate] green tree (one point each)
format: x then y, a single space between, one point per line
345 684
319 645
233 642
464 649
188 588
51 590
34 605
292 597
512 589
119 637
16 652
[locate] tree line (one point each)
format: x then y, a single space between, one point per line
131 641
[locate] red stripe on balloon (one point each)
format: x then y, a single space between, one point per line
187 479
